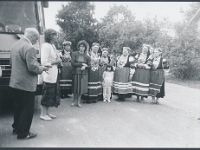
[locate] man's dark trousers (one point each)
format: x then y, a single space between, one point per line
23 112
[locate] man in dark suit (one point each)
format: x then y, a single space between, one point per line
23 80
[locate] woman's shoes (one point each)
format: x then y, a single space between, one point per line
79 105
46 118
51 116
73 104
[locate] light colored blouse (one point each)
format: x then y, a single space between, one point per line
156 62
49 55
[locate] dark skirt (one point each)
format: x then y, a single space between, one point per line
79 83
95 82
140 82
121 84
50 94
157 83
66 78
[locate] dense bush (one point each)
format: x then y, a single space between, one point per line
184 54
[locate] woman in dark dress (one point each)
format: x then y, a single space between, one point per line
95 89
66 71
121 84
80 65
157 77
141 77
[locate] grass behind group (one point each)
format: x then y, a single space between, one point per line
184 82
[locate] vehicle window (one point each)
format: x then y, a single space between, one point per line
17 15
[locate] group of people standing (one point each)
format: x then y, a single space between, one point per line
93 75
88 73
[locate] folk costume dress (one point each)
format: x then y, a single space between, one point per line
79 77
141 77
121 84
66 74
51 88
157 78
95 88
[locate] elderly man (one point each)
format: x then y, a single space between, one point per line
23 80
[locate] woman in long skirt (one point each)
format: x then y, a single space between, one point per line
140 80
121 84
80 63
95 89
66 71
157 77
50 56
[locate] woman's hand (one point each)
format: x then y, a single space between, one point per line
84 64
58 60
140 65
83 68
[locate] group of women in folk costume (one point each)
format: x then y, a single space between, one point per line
149 78
141 75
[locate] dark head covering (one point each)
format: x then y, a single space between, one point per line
84 43
48 33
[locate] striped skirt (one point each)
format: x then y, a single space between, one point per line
121 85
95 83
157 83
140 82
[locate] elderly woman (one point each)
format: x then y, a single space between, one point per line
157 78
80 63
50 56
140 80
121 85
95 89
66 71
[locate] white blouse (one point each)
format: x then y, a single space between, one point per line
49 55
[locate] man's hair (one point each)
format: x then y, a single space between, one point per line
30 31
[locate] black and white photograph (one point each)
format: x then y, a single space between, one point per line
99 74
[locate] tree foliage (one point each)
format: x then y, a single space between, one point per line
77 22
119 28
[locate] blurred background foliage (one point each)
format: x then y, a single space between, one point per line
180 42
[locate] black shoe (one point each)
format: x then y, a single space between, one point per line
29 136
14 132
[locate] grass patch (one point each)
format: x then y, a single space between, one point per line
189 83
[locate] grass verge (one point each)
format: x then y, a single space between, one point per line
189 83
